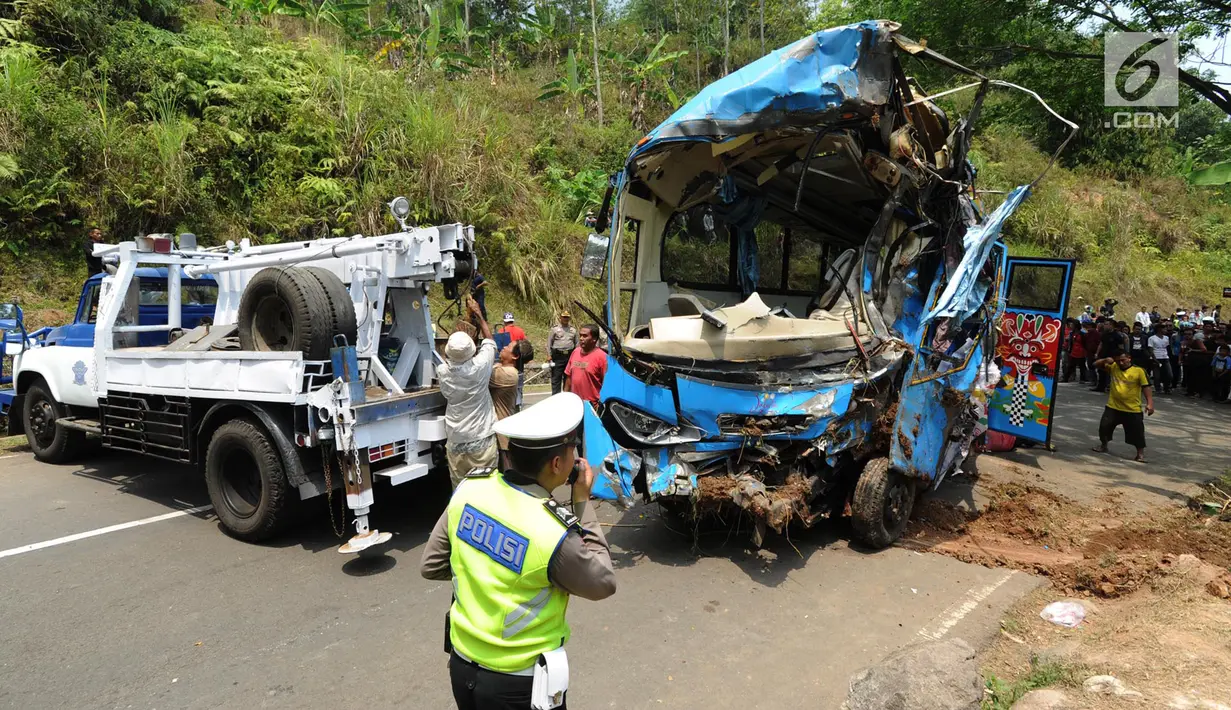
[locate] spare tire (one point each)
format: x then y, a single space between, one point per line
341 308
285 309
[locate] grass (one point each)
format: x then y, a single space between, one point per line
11 444
1002 694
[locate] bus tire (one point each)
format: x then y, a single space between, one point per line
882 504
247 482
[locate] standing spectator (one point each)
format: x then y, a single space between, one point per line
1142 318
1087 314
515 334
1197 366
512 328
1090 339
1218 314
1111 344
464 378
93 264
1128 383
1221 370
478 288
1155 317
1160 347
561 342
1075 346
586 367
1176 337
1108 308
1139 348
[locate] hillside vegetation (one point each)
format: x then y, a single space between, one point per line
156 116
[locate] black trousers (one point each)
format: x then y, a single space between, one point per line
1133 423
476 688
1162 374
1075 363
1222 386
1103 381
558 363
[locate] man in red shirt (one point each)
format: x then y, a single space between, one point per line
515 332
583 375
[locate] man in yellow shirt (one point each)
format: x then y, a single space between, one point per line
1128 383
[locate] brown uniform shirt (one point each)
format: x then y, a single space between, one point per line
561 340
581 566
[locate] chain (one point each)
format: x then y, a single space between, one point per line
338 531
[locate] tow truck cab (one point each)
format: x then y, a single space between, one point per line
198 297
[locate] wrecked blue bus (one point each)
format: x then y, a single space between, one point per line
810 311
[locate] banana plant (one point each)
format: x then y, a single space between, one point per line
1216 174
648 77
574 86
434 39
327 11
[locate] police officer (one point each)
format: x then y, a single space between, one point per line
516 556
561 342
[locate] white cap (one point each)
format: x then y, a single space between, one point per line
460 348
545 424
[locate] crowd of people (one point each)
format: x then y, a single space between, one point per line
483 380
1187 350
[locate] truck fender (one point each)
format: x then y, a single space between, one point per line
276 423
67 371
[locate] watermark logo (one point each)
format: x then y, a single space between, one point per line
1140 69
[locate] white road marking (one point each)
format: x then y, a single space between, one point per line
10 456
959 609
103 531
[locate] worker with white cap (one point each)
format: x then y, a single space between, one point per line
516 555
469 414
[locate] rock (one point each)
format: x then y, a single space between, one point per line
932 675
1044 699
1220 587
1108 685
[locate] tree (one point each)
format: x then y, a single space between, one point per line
598 85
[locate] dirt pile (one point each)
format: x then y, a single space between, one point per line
1106 550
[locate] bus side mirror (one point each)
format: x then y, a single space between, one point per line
594 256
11 311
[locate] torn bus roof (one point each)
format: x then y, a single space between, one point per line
844 69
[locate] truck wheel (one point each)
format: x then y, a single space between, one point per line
285 309
341 308
246 481
49 442
882 503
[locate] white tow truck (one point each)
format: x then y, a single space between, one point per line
317 372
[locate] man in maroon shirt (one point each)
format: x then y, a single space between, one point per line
583 375
1090 340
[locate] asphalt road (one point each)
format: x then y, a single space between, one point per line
174 614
